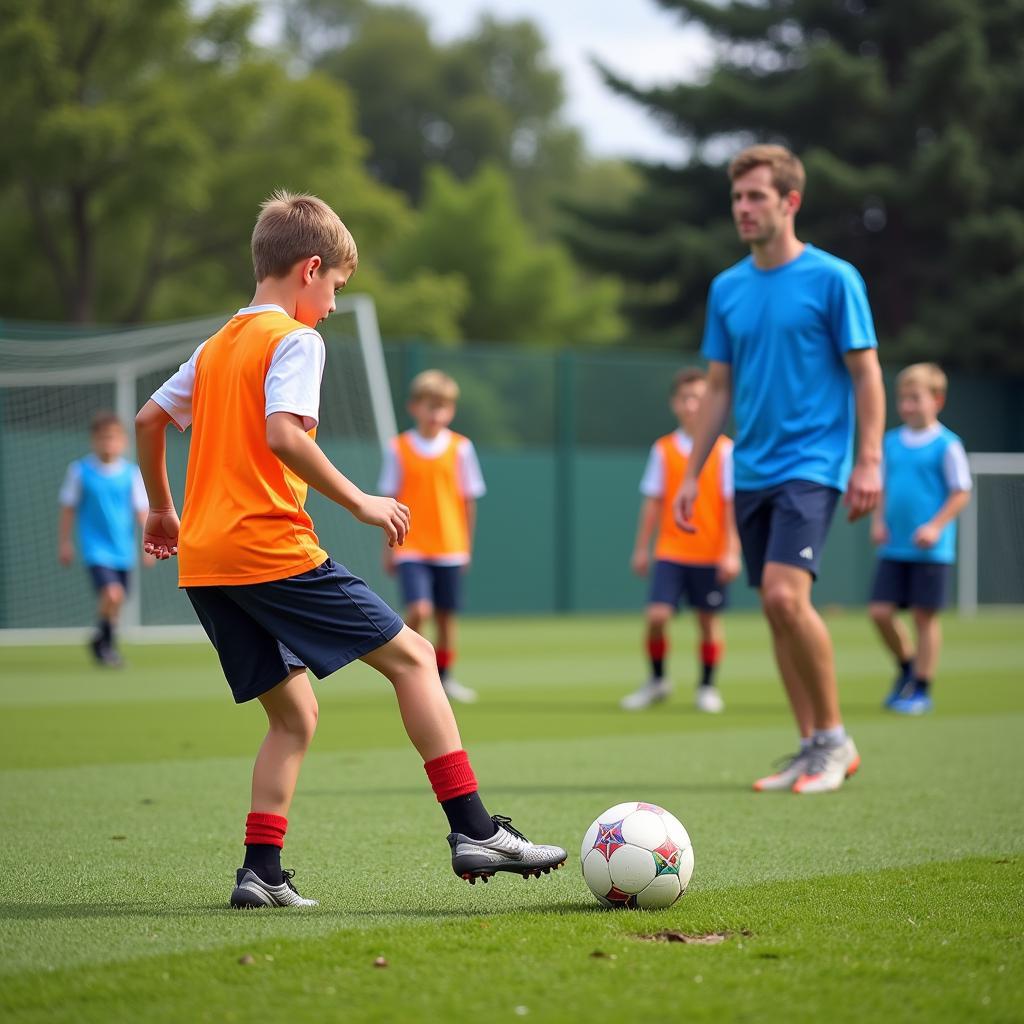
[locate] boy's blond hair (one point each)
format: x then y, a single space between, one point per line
928 375
433 384
293 226
787 170
103 419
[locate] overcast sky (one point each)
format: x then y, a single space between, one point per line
637 38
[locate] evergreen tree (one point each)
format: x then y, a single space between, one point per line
907 118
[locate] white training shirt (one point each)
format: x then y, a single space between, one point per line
955 467
71 489
292 384
652 485
471 478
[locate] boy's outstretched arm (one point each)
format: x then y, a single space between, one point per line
927 535
160 533
289 441
65 546
646 521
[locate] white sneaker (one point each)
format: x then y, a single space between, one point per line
652 692
787 771
507 850
251 892
828 767
457 692
709 700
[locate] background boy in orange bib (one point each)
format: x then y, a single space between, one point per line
696 566
269 597
435 472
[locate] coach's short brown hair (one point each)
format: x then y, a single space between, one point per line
787 170
687 375
292 227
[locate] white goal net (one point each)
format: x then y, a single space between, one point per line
991 557
50 388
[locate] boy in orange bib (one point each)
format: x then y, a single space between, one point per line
271 600
435 472
698 566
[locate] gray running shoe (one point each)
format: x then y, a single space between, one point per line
251 892
652 692
507 850
787 771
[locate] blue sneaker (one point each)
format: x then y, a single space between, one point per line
915 704
902 688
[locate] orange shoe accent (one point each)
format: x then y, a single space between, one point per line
854 765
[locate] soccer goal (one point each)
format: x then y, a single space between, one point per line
991 560
53 382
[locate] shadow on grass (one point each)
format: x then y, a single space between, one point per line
103 911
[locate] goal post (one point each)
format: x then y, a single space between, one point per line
990 565
52 385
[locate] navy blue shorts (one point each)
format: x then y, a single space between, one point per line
787 523
671 581
441 585
911 584
102 576
322 619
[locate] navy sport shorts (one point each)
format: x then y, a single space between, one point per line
911 584
671 581
787 523
102 576
441 585
321 619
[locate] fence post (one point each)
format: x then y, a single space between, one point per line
565 451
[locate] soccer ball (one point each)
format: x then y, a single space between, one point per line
637 855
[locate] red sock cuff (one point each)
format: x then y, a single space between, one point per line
657 648
710 653
444 658
265 829
451 775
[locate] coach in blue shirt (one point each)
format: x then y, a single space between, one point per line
791 349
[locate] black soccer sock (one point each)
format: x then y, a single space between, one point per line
265 861
657 649
922 685
105 629
907 668
467 814
707 675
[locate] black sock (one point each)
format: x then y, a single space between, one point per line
467 814
907 668
106 632
443 673
922 685
707 675
658 668
265 861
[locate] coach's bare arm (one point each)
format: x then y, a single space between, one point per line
288 440
714 412
865 486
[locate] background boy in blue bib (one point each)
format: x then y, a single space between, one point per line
103 495
927 483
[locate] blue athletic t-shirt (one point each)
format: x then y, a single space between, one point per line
784 333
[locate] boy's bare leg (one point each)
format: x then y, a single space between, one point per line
711 629
803 647
417 614
408 662
893 633
292 712
110 602
929 642
445 629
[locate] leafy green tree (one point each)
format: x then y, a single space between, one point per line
518 288
139 140
492 97
907 118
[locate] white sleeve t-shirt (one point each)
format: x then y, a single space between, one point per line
471 477
292 384
652 485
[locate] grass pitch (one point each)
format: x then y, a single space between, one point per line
123 795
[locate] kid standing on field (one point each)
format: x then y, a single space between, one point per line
926 484
436 473
103 495
270 599
698 565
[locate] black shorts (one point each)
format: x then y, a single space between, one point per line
911 584
671 581
441 585
787 523
102 576
321 619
